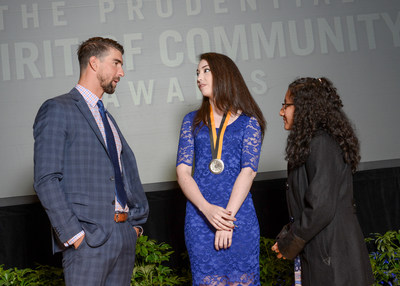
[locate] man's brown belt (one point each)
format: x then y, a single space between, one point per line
120 217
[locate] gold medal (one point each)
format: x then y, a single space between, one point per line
216 166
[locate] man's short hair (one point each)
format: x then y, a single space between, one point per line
96 46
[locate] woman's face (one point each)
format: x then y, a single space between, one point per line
287 111
204 79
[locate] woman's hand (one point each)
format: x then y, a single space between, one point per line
276 249
223 239
219 218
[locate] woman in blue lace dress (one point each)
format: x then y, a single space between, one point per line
222 139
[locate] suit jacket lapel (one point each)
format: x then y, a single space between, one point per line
84 109
119 131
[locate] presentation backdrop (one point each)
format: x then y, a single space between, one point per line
355 43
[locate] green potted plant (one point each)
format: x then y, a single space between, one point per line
274 271
149 268
385 257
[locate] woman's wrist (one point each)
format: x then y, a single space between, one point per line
203 206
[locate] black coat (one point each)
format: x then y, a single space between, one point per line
325 231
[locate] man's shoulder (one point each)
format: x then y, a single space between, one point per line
65 99
73 94
61 104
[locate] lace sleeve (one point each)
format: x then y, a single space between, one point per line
251 145
186 142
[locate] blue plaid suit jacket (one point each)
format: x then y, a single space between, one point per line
74 175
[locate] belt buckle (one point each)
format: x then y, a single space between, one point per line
120 216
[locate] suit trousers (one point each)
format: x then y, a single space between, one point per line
110 264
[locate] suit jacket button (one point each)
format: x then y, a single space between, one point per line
112 178
113 202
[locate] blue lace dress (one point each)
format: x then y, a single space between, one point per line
241 148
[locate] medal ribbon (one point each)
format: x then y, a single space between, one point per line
216 140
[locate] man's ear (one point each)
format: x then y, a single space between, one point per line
93 63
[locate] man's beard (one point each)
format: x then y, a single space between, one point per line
107 86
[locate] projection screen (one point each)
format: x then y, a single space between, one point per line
354 43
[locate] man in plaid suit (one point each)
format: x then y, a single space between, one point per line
75 177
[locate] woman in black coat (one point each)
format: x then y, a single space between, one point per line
322 153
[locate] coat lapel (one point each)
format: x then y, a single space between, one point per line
123 142
87 114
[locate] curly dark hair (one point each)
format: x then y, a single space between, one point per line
319 107
230 92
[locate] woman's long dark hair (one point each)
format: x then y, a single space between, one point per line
229 90
319 107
